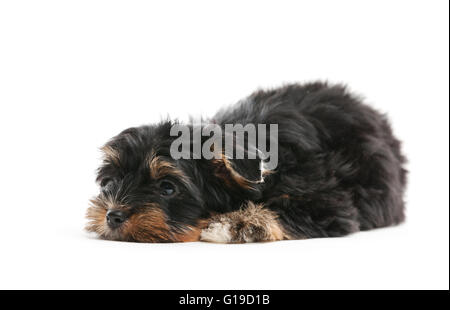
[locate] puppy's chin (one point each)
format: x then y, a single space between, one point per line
149 226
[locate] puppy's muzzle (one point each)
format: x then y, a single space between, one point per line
115 218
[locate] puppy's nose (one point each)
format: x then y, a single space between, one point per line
115 218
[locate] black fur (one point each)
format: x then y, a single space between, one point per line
340 168
338 160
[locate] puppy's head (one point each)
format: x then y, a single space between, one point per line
147 196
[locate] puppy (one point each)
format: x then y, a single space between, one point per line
340 170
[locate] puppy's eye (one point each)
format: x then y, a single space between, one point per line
167 188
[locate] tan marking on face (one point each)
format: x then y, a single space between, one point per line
111 154
151 226
96 215
160 168
148 226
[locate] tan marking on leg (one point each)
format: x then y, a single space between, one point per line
217 232
253 223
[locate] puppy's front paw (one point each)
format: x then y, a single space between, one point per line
219 232
252 223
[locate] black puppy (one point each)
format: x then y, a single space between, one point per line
339 171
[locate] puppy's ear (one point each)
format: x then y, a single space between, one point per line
239 167
243 173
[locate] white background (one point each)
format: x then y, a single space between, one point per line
75 73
